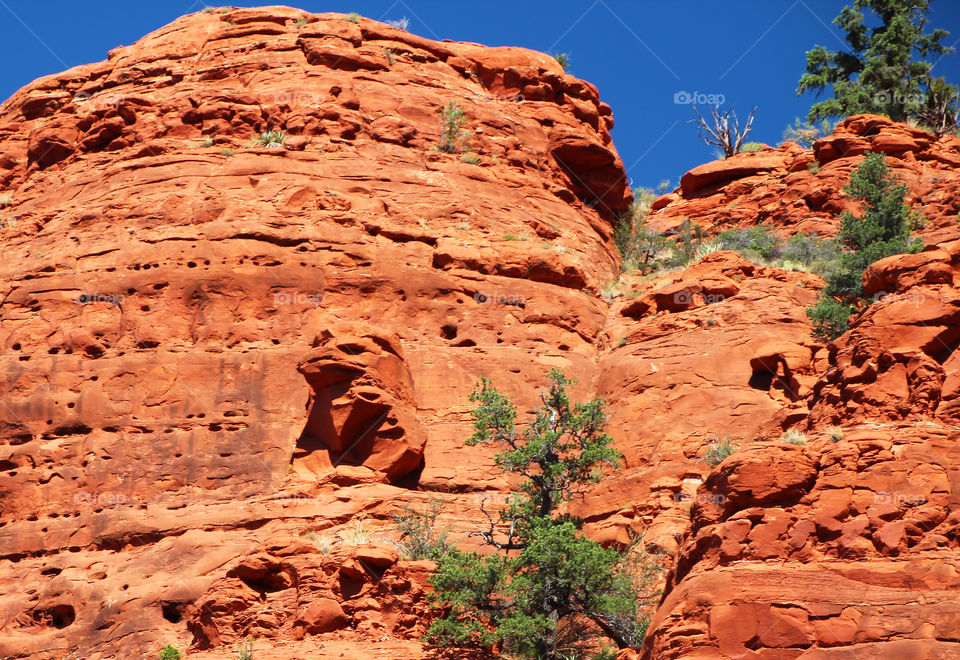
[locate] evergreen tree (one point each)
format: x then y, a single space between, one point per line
881 231
549 587
879 73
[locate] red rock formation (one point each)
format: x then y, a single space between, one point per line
798 190
226 366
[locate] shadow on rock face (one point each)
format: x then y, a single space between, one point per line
361 409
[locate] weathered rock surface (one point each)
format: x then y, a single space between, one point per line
801 190
225 367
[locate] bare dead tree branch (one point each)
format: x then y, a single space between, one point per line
488 535
724 129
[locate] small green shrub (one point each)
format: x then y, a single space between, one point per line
207 142
357 533
752 147
6 200
640 248
805 133
226 152
830 317
813 167
758 239
472 159
274 139
300 22
452 136
707 248
563 59
170 653
718 450
684 251
353 17
420 535
794 437
390 58
835 433
245 650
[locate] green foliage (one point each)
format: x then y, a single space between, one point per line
794 437
6 200
718 450
563 59
452 136
638 245
535 595
758 239
420 535
300 22
271 139
805 133
684 251
245 649
751 147
353 17
170 653
830 317
881 231
878 73
472 159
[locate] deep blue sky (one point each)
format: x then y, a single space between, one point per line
640 53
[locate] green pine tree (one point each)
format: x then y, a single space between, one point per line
879 73
882 230
548 588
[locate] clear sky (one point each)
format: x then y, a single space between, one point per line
640 53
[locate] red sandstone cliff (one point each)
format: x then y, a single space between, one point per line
220 360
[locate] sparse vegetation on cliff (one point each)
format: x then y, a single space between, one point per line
170 652
453 138
718 450
275 139
421 535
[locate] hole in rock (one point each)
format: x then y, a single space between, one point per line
449 331
172 610
58 616
761 380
